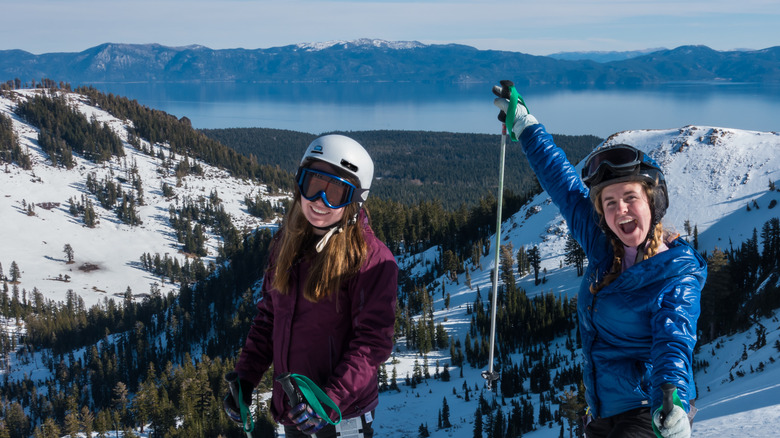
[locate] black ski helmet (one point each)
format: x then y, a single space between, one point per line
624 163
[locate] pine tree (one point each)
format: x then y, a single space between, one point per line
416 374
16 420
145 398
445 374
15 272
507 264
87 420
442 339
49 429
575 255
476 255
382 378
499 425
522 261
119 402
445 414
477 424
718 291
72 423
4 433
68 252
394 380
770 251
535 260
90 218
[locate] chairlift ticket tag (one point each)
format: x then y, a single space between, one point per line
350 428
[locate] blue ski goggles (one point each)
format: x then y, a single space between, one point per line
336 192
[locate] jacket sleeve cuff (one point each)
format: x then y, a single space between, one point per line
523 122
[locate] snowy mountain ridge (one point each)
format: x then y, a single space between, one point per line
112 249
361 42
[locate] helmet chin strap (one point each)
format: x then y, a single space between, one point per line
332 229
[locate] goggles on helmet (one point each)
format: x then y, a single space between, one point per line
611 163
336 192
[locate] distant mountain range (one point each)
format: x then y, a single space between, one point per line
368 60
603 56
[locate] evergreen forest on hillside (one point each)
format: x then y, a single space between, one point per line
411 167
158 364
159 127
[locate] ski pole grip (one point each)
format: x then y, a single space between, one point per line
232 379
668 402
235 391
286 381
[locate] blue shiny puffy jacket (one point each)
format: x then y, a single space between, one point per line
639 331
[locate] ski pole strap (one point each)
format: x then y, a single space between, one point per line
315 397
246 416
514 96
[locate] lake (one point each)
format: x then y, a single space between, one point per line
324 107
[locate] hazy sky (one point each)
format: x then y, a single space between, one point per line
541 27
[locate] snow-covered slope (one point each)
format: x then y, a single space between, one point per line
36 243
713 174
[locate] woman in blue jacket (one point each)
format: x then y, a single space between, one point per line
640 298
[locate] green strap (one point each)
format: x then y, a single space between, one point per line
245 414
315 397
514 99
511 110
678 402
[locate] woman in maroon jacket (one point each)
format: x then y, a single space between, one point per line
327 310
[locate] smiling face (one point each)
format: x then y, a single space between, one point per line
316 212
627 212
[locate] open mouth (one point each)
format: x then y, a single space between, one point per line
627 226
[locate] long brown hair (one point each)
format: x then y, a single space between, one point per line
341 258
653 242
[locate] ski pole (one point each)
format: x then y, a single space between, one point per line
668 403
490 375
311 394
506 90
286 381
235 392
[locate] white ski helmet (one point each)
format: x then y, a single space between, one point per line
345 154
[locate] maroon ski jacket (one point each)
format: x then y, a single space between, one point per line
338 342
